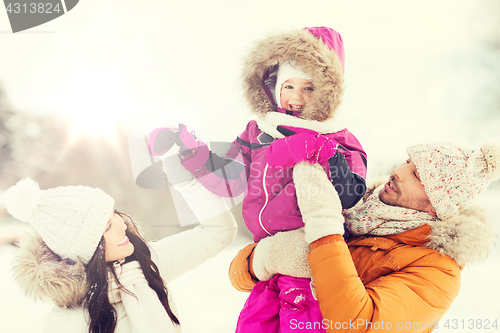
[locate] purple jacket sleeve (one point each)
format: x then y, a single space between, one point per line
348 169
225 176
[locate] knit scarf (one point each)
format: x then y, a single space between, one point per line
142 306
373 217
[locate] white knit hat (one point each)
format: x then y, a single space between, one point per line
453 176
288 70
70 219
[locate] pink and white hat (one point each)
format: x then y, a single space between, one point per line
453 176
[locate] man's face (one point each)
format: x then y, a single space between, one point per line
404 189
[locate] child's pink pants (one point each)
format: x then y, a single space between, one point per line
282 304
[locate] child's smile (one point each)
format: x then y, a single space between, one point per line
295 94
295 107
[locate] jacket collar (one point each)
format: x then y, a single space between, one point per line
417 237
269 121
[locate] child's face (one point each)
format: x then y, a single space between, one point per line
295 94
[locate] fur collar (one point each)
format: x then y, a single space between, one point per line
43 275
466 237
312 55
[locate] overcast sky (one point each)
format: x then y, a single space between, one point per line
408 70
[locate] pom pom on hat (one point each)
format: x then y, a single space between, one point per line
22 199
491 153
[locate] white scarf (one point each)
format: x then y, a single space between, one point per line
373 217
144 310
269 121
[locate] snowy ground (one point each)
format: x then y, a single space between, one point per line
207 303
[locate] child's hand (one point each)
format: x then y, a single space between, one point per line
299 145
162 139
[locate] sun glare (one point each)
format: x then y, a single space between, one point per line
94 104
98 122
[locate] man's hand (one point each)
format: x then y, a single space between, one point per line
284 253
318 201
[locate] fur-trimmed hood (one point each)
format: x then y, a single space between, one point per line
316 51
467 237
43 275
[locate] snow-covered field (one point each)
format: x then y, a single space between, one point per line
207 302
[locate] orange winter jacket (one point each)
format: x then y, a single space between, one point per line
374 284
382 283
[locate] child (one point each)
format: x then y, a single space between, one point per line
91 261
294 83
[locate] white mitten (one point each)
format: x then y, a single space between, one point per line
318 201
284 253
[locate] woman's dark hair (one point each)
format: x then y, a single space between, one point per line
102 313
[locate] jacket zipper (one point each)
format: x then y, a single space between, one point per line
267 199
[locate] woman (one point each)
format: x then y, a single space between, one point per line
92 263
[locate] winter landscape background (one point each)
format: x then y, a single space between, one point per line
72 91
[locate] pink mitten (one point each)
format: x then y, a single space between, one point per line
187 141
194 154
163 138
300 145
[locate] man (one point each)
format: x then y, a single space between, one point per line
409 240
